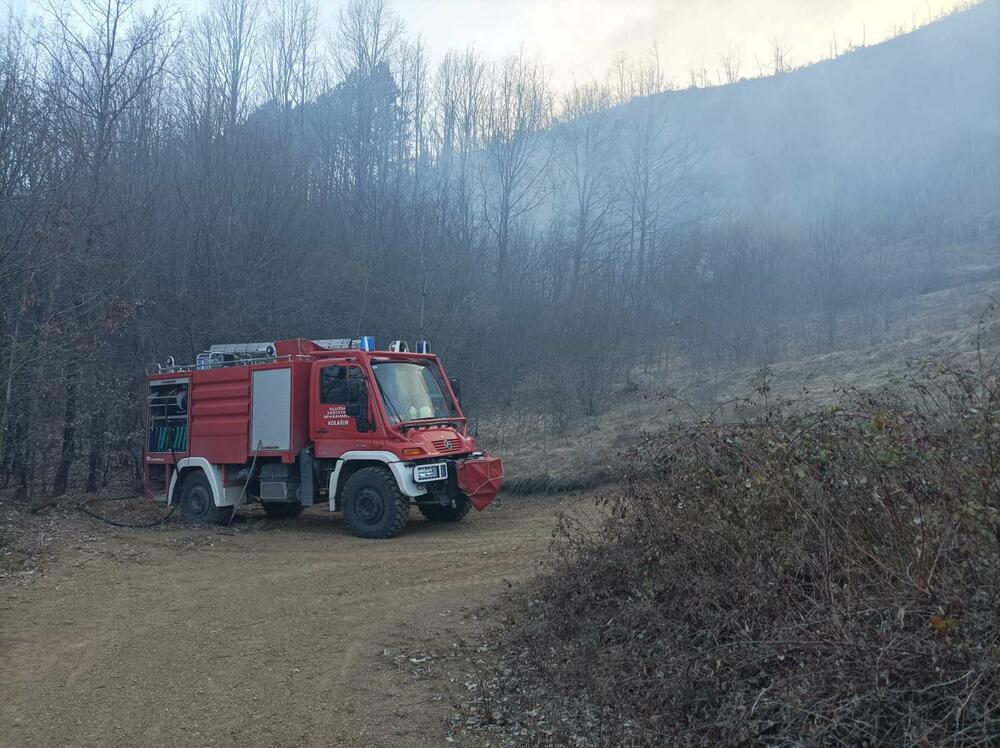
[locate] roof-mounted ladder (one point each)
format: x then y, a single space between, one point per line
333 344
247 349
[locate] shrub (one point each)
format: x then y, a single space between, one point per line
830 577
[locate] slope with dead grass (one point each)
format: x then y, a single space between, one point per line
544 452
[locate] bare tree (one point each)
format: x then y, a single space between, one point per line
781 61
25 129
630 79
289 46
730 63
461 121
653 167
104 60
831 241
234 25
367 34
586 152
518 110
412 78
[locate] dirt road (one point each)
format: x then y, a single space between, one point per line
274 635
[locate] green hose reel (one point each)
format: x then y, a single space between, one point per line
168 439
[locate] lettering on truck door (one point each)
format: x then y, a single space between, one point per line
333 431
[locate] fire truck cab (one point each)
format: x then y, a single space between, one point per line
299 422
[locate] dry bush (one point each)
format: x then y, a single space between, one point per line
831 577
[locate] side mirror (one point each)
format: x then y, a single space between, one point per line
357 404
456 387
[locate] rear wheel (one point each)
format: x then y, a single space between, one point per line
438 513
282 509
198 503
374 507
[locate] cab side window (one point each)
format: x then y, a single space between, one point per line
333 384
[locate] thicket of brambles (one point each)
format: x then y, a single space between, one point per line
829 577
168 182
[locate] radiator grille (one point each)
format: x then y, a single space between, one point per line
447 445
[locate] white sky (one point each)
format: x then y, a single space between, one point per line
581 37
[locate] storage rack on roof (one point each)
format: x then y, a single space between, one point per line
246 354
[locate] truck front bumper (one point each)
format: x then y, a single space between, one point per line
479 478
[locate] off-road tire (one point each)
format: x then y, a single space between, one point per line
374 507
198 504
438 513
282 509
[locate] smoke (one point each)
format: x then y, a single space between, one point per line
580 38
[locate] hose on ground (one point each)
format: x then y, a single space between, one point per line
114 523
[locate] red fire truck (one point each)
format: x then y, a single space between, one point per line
294 423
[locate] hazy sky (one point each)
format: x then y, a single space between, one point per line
582 37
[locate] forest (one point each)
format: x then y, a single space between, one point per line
170 180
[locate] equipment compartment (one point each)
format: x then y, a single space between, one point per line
167 416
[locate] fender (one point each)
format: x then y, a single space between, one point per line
400 471
222 494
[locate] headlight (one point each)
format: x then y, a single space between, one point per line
425 473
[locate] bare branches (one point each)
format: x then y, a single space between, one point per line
289 48
518 109
367 34
103 68
234 24
730 63
780 60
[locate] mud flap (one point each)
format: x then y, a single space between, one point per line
479 479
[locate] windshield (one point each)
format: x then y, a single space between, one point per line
412 392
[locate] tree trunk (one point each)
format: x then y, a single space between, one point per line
60 480
96 453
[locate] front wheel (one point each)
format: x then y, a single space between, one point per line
438 513
374 507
